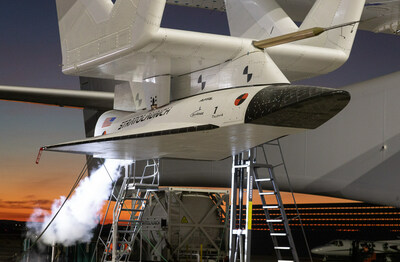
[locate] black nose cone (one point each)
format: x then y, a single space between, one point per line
295 106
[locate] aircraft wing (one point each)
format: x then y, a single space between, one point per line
59 97
378 16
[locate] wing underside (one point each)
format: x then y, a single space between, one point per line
206 142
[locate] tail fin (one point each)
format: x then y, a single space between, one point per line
258 19
304 58
331 13
90 29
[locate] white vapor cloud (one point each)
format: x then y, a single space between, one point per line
80 214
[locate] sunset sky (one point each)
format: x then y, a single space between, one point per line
30 56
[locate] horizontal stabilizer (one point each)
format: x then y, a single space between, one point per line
59 97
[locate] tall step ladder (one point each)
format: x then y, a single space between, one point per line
276 218
248 170
128 211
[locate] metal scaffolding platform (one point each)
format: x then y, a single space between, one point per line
130 204
165 224
192 224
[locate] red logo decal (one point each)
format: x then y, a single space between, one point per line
241 99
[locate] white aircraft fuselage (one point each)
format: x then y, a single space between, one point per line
211 126
346 248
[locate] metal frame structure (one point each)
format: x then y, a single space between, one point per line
172 246
137 195
240 227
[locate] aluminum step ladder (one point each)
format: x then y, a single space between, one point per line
276 218
248 170
128 211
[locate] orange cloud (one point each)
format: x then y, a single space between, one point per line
21 210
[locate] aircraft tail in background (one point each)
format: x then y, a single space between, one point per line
307 58
332 13
258 19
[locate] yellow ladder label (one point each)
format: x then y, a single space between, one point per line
250 207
